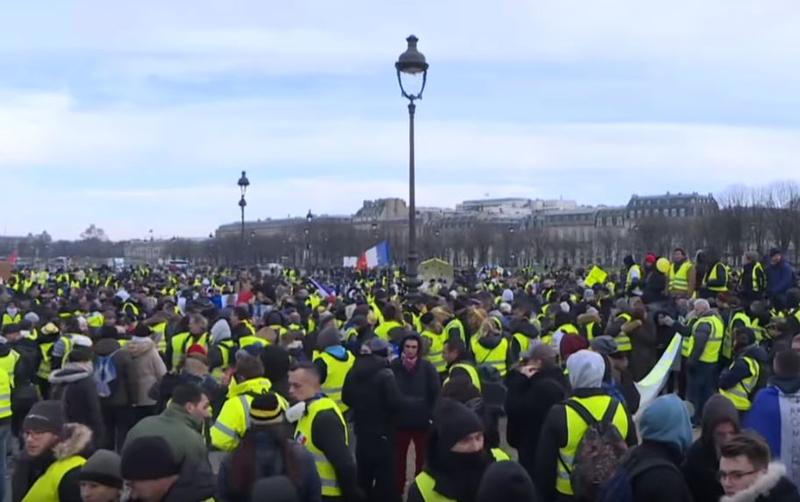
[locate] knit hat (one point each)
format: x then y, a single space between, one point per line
506 481
650 258
542 352
379 347
275 489
454 421
605 345
571 344
774 251
45 416
148 458
197 351
242 312
265 409
103 467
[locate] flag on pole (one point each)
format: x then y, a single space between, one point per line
376 256
596 276
12 258
323 291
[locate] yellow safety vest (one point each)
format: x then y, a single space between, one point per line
334 380
754 276
713 345
471 371
495 357
180 344
740 393
45 366
226 349
623 340
629 275
590 329
426 484
304 435
712 275
8 319
679 279
161 330
382 331
249 340
5 395
8 364
234 417
459 326
524 343
727 341
576 428
46 487
436 350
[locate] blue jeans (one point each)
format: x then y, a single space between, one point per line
5 432
701 383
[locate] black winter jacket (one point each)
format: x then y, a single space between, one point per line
421 383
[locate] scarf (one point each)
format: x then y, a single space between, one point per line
409 362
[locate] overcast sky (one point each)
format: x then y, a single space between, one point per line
141 115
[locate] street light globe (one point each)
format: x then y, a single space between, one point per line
243 182
412 63
309 216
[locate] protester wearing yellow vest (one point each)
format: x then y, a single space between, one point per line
739 382
702 346
633 277
63 445
433 342
681 275
179 343
490 347
457 459
5 425
715 281
233 419
458 363
333 362
565 425
321 428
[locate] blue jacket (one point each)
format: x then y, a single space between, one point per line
780 277
765 415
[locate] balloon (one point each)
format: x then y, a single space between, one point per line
662 264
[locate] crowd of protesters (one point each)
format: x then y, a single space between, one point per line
121 384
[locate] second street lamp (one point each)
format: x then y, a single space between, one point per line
243 184
411 65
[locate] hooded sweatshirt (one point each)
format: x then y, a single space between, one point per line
667 433
702 460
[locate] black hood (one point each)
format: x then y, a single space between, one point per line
195 482
367 365
490 341
757 352
525 327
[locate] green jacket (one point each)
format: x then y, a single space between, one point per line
181 430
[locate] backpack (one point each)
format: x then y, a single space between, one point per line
599 451
620 487
105 372
493 388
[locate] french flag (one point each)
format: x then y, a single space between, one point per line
376 256
324 291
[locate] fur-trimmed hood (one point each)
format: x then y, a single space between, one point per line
71 372
77 438
762 487
139 346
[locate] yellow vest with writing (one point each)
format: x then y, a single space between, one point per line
304 435
679 279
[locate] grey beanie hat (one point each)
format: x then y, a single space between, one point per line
103 467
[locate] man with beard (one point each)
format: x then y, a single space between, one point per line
457 456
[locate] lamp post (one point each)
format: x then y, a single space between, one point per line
307 232
411 64
243 184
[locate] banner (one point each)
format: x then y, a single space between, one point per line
349 261
651 385
596 276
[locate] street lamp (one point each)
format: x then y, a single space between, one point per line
410 65
307 232
243 184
